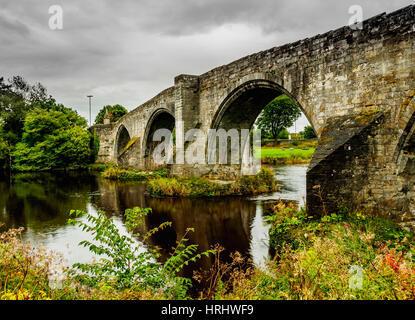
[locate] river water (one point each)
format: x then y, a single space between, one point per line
40 202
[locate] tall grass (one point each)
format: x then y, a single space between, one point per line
116 173
262 182
344 256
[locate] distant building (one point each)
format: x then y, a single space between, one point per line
295 136
107 118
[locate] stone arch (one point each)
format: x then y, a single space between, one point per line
406 127
404 155
160 119
253 94
121 140
241 107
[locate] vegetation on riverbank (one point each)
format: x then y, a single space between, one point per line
120 174
124 270
344 256
37 133
263 182
337 256
293 153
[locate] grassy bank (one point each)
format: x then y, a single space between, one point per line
262 182
116 173
124 272
100 167
295 153
345 256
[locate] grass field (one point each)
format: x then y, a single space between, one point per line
284 155
287 153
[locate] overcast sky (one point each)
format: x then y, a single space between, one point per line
126 52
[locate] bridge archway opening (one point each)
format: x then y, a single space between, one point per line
123 137
243 106
161 119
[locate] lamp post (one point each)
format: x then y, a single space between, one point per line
89 97
295 129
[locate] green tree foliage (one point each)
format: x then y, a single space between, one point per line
13 108
17 98
37 132
284 134
4 152
309 133
115 112
52 139
280 113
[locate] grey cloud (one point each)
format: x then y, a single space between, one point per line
184 17
127 51
12 27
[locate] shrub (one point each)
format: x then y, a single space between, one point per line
309 133
262 182
25 271
126 265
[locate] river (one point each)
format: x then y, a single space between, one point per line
40 202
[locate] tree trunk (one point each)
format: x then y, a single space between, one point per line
276 142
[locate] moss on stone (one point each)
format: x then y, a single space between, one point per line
129 144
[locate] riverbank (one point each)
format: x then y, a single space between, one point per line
161 185
294 153
342 256
263 182
120 174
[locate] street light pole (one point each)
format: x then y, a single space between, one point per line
89 97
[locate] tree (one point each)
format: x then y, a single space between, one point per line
53 139
13 108
115 112
4 152
280 113
309 133
17 98
284 134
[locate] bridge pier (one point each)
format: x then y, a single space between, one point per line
353 168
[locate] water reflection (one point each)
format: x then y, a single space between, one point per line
292 184
259 245
41 202
223 221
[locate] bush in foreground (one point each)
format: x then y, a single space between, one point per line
124 270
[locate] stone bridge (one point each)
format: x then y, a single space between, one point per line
356 88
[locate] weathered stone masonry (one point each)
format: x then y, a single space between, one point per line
356 87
